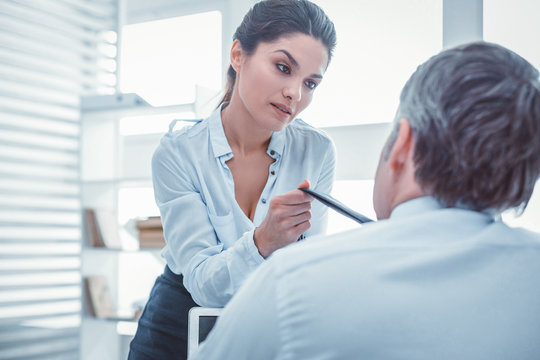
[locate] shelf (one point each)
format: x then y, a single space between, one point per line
127 104
114 167
122 181
126 328
130 251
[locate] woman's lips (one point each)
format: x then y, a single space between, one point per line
283 108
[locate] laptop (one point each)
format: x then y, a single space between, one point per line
200 321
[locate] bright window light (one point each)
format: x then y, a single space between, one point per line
356 194
380 44
148 124
165 60
515 25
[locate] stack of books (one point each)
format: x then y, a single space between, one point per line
150 232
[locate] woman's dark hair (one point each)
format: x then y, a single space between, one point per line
268 20
474 112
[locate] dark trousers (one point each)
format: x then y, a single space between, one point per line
163 327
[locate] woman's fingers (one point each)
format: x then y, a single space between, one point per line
288 217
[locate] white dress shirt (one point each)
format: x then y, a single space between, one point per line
428 283
208 237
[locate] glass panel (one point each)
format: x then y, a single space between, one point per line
147 124
380 43
42 233
46 203
58 307
515 25
136 202
356 194
38 124
52 263
28 186
39 155
164 60
41 218
58 322
18 169
52 142
37 250
51 278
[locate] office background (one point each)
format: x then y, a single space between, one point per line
68 141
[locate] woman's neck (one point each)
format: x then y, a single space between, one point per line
243 133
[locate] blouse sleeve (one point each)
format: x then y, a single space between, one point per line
211 273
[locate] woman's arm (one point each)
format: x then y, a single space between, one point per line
212 274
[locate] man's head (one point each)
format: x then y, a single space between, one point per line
467 131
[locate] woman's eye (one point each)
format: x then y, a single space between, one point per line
311 84
284 68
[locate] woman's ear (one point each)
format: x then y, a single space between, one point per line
236 55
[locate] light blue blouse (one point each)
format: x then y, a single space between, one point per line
428 283
208 237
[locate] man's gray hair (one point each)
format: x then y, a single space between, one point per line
474 111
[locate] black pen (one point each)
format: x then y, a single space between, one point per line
337 206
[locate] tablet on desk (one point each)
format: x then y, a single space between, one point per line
200 321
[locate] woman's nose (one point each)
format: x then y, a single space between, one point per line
293 91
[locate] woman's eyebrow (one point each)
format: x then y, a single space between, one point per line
288 54
295 63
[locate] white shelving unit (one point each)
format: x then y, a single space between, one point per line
111 162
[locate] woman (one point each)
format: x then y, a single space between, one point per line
227 186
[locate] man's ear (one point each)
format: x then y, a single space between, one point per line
403 148
237 55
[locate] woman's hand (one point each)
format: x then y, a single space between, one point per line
287 219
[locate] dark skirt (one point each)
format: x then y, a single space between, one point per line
163 327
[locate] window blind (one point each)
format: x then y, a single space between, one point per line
51 53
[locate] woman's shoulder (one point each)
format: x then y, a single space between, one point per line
182 132
300 128
186 128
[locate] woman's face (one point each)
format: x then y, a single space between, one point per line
276 82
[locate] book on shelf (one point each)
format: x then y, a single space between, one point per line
93 234
100 302
102 228
99 297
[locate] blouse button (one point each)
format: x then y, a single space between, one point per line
263 201
273 172
272 152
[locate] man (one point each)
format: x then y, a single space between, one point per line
439 276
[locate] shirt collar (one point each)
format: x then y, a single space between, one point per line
277 143
416 206
221 145
217 134
429 203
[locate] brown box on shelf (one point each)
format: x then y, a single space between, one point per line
152 222
151 238
150 232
